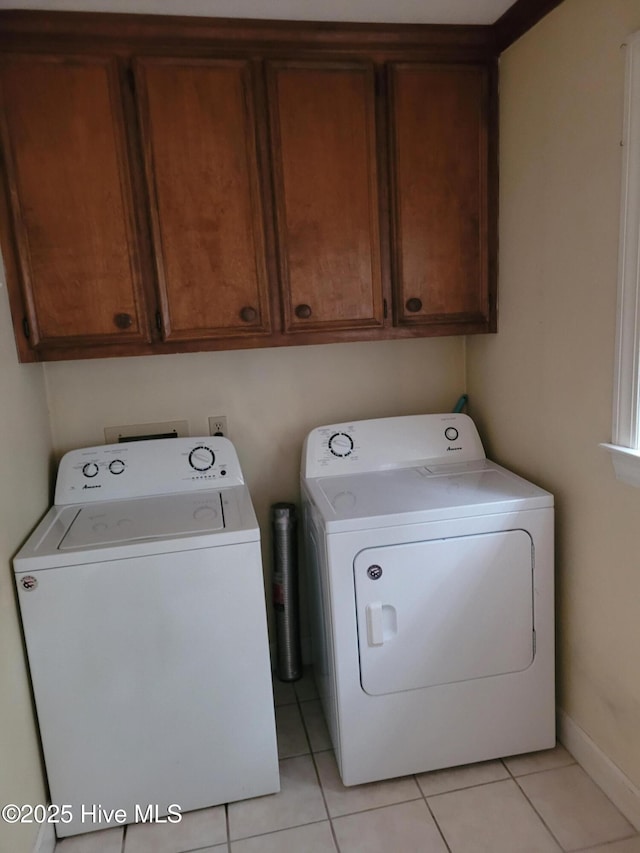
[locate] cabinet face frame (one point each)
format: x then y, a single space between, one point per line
130 325
253 199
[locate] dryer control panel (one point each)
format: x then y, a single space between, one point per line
384 443
141 468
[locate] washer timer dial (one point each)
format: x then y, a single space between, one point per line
341 444
202 458
90 469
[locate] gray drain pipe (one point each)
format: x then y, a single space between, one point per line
285 591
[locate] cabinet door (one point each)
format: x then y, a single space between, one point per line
73 233
198 126
323 140
439 176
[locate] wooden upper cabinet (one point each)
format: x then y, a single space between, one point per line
71 217
439 166
178 185
323 146
199 137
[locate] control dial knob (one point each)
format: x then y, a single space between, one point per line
341 444
202 458
90 469
116 466
451 433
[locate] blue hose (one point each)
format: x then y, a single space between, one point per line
462 402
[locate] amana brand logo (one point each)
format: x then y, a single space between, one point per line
97 486
448 449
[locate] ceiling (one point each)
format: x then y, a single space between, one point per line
383 11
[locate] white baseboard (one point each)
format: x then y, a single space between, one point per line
46 840
615 784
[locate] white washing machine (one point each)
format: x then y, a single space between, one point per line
431 589
142 600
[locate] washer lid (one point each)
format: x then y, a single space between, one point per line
167 516
72 535
412 495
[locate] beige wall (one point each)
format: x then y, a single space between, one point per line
271 398
542 388
24 495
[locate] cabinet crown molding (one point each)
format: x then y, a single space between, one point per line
30 29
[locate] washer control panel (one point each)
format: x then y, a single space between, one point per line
143 468
402 442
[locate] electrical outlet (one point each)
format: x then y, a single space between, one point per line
218 425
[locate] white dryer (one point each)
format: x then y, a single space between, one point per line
142 600
431 588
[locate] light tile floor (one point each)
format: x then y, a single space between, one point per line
538 803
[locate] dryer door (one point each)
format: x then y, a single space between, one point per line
444 610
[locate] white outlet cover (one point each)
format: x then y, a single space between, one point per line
218 419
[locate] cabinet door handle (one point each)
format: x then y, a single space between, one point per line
414 304
303 312
248 314
123 321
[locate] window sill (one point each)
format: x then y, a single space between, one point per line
626 463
